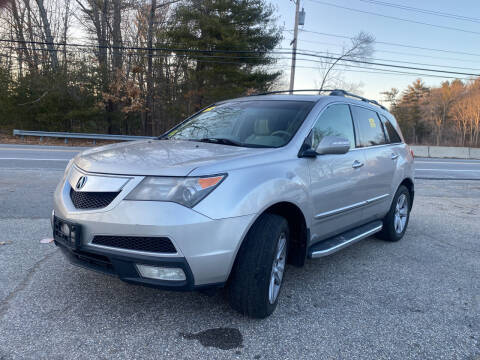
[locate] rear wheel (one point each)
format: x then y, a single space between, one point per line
396 221
257 275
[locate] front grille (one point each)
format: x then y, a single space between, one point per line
91 200
138 243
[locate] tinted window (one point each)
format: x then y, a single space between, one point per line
256 123
392 133
369 126
336 120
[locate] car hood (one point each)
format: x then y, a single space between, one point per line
158 157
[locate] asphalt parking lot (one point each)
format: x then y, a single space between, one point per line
415 299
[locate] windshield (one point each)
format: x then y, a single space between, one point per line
265 123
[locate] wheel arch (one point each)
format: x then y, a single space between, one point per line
408 183
297 250
299 231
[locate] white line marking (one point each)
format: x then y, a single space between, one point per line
32 159
446 170
37 149
473 162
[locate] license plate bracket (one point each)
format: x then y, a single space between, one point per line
67 233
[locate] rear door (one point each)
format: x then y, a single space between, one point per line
337 181
380 161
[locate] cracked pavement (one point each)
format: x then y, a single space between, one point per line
415 299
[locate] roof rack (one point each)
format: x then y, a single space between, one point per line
292 91
334 92
339 92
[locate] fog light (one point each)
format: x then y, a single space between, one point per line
161 273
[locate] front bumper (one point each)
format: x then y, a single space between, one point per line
205 247
123 266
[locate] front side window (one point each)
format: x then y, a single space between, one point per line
256 123
370 127
392 133
336 120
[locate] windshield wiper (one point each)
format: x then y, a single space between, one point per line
223 141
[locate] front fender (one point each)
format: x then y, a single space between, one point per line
251 190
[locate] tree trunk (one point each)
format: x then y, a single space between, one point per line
23 53
149 123
48 34
65 32
117 36
31 35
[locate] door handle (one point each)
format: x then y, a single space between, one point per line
394 156
357 164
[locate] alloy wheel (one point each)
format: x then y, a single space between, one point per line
278 268
401 214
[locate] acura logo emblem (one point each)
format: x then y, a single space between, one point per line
81 182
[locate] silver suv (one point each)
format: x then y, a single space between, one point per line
235 192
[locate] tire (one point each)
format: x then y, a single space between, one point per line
250 291
392 230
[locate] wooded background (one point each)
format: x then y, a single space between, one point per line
140 66
129 66
445 115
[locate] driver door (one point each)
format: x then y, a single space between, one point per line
338 182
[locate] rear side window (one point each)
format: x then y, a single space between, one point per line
392 133
336 120
370 127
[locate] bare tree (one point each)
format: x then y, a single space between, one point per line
438 103
48 34
117 60
391 96
461 119
361 48
97 13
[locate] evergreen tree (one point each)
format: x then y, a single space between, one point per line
233 26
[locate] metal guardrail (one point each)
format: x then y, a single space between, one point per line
67 135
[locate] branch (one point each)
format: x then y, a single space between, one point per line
34 101
167 3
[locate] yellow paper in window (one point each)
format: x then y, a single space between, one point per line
372 123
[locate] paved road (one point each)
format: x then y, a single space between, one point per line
415 299
56 157
36 156
447 169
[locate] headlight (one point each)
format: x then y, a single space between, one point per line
187 191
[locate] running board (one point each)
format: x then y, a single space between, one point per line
334 244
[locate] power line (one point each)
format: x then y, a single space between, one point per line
423 11
236 57
392 43
249 52
397 61
379 71
388 71
396 18
395 52
390 65
369 70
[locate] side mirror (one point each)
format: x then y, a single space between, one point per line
333 145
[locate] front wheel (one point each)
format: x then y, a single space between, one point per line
257 275
396 221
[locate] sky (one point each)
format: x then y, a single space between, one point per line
328 19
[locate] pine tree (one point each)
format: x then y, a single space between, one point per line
233 26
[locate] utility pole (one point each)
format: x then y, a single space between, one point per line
294 41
